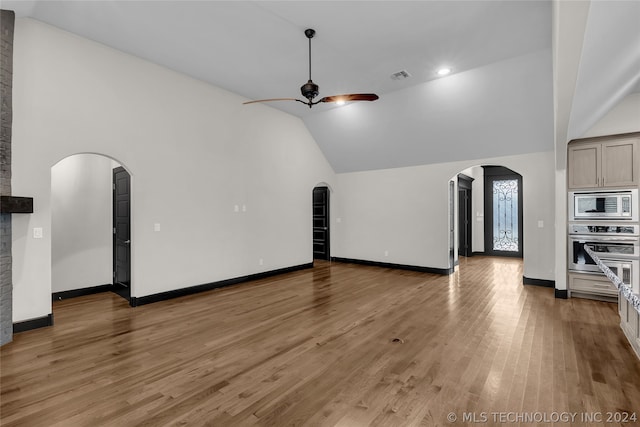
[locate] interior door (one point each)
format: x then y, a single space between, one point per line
452 227
464 215
321 243
122 233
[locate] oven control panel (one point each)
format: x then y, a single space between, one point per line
621 230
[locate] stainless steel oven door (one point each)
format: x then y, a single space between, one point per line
627 271
611 249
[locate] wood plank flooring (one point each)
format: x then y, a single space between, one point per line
315 347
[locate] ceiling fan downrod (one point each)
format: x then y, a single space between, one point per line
310 90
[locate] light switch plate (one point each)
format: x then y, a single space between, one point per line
156 226
38 233
540 223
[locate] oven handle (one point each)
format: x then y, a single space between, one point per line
620 258
591 238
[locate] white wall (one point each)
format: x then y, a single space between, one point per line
193 152
623 118
404 211
81 222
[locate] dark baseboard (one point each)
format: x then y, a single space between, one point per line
38 322
538 282
474 253
443 271
562 293
162 296
271 273
73 293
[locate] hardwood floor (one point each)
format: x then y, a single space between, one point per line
316 347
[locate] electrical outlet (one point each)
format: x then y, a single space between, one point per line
386 253
261 261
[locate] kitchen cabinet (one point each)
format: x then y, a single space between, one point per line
630 323
595 286
604 162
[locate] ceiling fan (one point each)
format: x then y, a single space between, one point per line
310 90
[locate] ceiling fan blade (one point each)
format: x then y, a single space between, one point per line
350 97
273 99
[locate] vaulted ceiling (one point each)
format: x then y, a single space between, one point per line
497 101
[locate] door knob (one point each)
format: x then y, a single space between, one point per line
126 242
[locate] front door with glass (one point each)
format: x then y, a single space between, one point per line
503 212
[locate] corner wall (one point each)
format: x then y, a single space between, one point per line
405 212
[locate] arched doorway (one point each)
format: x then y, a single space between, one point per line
321 222
85 202
486 222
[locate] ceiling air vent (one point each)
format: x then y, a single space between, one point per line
400 75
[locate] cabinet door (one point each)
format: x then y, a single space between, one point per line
620 160
592 284
584 165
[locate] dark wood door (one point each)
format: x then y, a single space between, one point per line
463 222
122 233
321 243
464 215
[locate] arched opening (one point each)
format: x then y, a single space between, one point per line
90 226
321 222
486 212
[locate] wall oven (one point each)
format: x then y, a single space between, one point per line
617 245
604 205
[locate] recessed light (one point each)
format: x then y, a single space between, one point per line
340 102
443 71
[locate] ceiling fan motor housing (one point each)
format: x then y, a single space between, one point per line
310 90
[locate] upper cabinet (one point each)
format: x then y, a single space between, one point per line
604 162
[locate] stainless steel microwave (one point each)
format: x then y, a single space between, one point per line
609 205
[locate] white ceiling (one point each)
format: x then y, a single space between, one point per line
498 101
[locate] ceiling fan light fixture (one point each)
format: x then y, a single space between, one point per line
444 71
